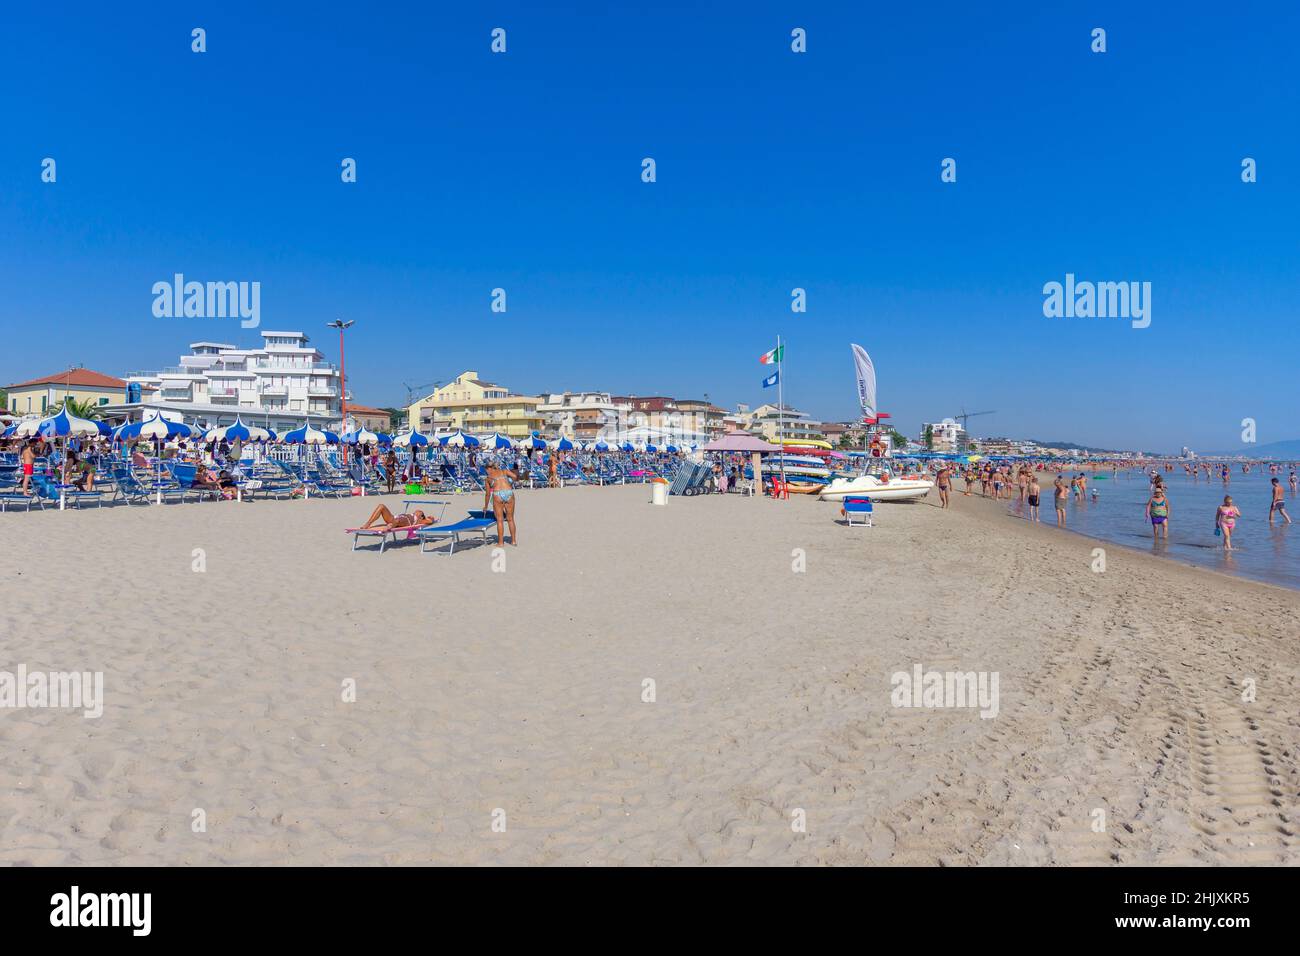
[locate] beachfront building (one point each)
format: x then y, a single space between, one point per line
82 385
702 416
586 416
947 436
368 417
660 419
776 423
473 405
278 385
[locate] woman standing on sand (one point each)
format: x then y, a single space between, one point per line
1225 519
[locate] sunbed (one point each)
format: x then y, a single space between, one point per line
396 534
475 522
858 506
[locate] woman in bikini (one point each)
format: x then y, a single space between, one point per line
381 519
500 491
1226 519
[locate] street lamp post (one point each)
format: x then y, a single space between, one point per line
343 379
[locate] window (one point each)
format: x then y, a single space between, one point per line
103 401
45 403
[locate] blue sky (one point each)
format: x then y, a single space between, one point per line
775 170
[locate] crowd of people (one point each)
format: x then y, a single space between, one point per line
1020 482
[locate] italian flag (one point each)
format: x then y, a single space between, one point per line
772 357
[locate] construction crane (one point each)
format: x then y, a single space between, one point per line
965 415
411 391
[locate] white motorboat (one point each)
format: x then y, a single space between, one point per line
881 487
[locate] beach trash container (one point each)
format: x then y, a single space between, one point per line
658 492
414 488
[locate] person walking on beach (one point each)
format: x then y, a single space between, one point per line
500 493
1158 513
943 481
1278 504
1225 519
1033 491
1061 494
390 469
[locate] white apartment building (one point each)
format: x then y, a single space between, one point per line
281 384
776 423
586 416
949 436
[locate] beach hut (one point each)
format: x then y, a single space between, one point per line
740 441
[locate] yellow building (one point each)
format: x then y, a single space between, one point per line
476 406
80 384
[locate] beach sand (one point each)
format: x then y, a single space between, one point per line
517 696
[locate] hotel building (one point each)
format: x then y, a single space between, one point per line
281 384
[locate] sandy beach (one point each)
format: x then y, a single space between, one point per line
515 697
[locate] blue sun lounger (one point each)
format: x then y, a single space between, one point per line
857 506
468 525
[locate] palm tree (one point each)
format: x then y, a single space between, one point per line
77 408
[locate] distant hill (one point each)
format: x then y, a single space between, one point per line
1289 450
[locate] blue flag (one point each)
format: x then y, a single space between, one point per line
771 379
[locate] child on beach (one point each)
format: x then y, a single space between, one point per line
1158 513
1225 519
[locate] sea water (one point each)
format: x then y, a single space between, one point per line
1118 515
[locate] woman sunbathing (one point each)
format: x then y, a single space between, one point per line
381 519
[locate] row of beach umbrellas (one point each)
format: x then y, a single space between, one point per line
65 425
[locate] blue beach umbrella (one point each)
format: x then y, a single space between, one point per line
458 439
627 446
362 436
239 432
307 435
651 448
533 443
601 446
155 428
562 444
497 441
411 440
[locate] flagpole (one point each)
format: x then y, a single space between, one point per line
780 409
